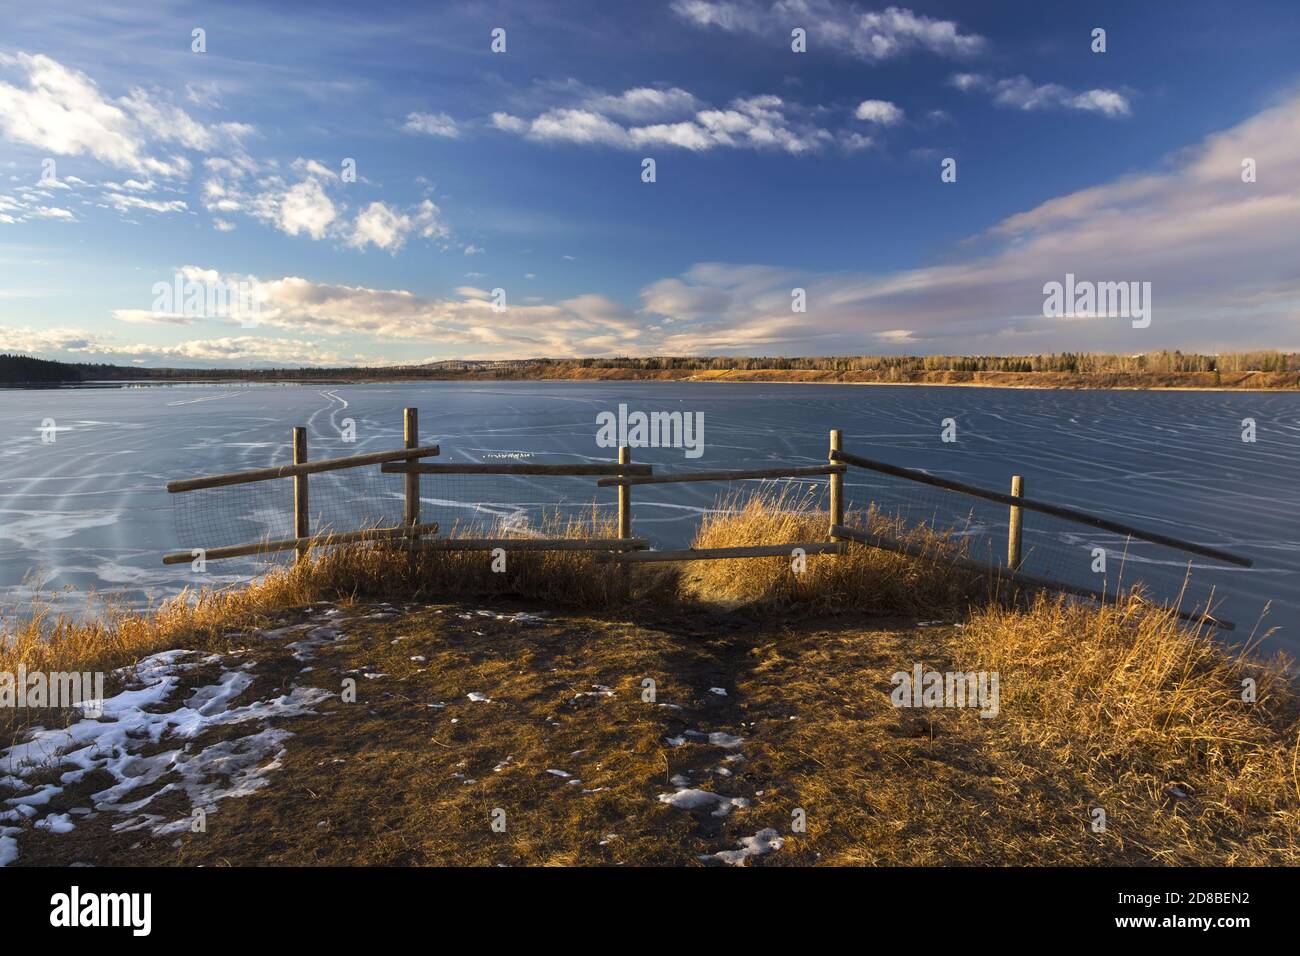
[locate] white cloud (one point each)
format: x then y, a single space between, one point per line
29 341
387 228
62 111
50 212
304 207
644 103
433 124
855 142
1022 93
171 124
835 24
509 123
756 122
230 352
583 324
125 203
150 317
578 126
879 111
234 352
307 207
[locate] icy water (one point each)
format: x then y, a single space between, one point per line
89 511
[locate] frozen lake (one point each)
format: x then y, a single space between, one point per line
88 510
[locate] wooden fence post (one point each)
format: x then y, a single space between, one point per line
625 520
837 485
624 496
300 508
1014 526
410 437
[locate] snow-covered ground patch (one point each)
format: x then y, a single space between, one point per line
691 799
764 841
144 741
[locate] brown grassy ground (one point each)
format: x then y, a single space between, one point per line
392 780
1119 709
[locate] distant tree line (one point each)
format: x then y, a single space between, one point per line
22 369
1078 362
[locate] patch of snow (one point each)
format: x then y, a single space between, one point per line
56 823
691 799
764 841
8 847
718 739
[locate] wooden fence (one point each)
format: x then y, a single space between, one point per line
627 549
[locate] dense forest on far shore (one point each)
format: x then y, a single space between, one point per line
1165 369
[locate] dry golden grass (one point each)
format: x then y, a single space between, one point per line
860 579
1152 718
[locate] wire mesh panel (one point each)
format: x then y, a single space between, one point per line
977 528
350 499
1076 554
470 505
1052 548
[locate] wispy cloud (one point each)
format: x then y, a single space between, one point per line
63 112
1022 93
432 124
755 122
839 26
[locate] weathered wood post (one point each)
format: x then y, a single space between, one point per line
624 496
837 484
410 438
1014 526
625 520
300 522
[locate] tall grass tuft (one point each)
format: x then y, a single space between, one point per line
860 579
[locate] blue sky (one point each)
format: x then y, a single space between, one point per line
521 171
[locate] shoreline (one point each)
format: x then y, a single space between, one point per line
758 380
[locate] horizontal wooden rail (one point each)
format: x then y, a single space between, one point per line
290 471
886 543
289 544
720 554
746 475
446 468
1042 507
529 544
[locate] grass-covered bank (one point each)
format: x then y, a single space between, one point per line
526 693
